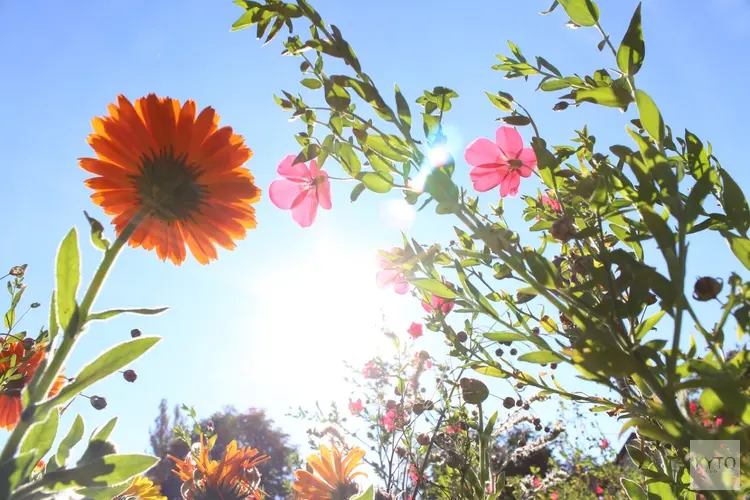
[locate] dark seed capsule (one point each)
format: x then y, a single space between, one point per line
28 343
513 352
499 353
135 332
462 337
519 403
98 402
509 402
129 375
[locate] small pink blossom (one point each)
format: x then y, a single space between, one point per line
599 490
371 370
453 429
438 304
551 203
500 163
554 496
355 407
391 420
427 363
693 408
301 190
414 474
719 421
603 445
390 276
537 482
415 330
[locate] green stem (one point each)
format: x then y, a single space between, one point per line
70 338
482 451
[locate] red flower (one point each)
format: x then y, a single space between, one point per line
552 203
537 482
599 490
415 330
355 407
391 420
693 408
603 445
554 496
718 421
438 304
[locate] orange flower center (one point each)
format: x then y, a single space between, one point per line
168 185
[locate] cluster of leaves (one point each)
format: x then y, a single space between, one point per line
612 299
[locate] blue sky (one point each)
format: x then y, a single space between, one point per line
268 324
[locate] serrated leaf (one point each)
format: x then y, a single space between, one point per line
68 276
145 311
632 50
109 362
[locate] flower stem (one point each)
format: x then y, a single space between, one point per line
70 337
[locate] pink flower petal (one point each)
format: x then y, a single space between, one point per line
401 287
482 152
292 171
283 192
509 141
510 184
488 177
385 278
324 191
528 158
305 210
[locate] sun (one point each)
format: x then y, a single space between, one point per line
320 306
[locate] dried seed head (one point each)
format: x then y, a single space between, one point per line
418 408
423 439
28 343
462 337
98 402
499 353
513 352
563 229
519 403
424 355
707 288
509 402
18 271
135 332
129 375
400 451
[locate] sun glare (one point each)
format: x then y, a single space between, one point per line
319 310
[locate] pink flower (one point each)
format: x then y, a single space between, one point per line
603 445
719 421
599 490
438 304
452 429
370 370
356 407
554 496
392 420
537 482
418 359
389 275
693 408
551 203
500 163
414 473
301 190
415 330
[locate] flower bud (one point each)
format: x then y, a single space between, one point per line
461 337
28 343
499 353
130 375
18 271
424 355
418 408
34 305
400 451
563 229
509 402
98 402
707 288
390 404
423 439
135 332
519 403
513 352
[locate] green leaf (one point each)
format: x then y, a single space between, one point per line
97 233
500 102
103 433
490 371
542 269
633 489
68 276
632 49
582 12
434 286
517 120
14 471
614 97
349 159
145 311
40 436
402 108
311 83
105 492
441 187
648 324
245 20
105 471
369 494
541 357
650 116
337 96
386 146
504 336
74 435
552 85
740 247
734 202
358 189
378 182
112 360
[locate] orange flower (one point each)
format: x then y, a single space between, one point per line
235 477
180 172
331 475
141 489
15 361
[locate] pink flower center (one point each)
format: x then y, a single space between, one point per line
515 163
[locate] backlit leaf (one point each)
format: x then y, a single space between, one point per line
582 12
434 286
614 97
500 102
378 182
349 159
541 357
402 108
74 435
105 471
650 116
145 311
740 247
632 49
734 202
504 336
68 276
